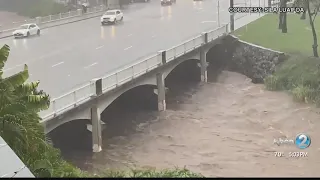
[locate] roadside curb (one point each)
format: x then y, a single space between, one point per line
62 23
59 24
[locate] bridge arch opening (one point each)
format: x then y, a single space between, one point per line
122 117
181 81
186 71
126 112
72 135
217 57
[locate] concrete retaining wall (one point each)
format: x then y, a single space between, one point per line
252 60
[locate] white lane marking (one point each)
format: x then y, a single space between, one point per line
208 22
128 48
130 35
57 64
91 65
99 47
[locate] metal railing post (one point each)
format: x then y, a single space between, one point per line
227 28
117 80
97 87
164 57
159 58
205 36
75 98
132 68
218 13
54 108
147 64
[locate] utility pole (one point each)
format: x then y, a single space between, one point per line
219 13
231 17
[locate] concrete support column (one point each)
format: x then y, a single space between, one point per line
96 129
203 66
161 92
96 119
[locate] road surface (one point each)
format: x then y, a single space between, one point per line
67 56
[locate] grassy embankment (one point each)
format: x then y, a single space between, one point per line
300 73
32 8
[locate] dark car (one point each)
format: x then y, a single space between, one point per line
167 2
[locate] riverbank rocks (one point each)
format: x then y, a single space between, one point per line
254 61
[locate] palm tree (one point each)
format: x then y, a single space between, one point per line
20 103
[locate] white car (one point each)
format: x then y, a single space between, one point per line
26 30
111 16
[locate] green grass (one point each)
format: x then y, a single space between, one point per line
32 8
300 73
265 32
138 173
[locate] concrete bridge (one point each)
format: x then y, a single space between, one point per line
88 101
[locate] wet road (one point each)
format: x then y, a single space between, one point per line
69 55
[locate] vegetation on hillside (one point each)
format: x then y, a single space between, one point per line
32 8
300 74
20 102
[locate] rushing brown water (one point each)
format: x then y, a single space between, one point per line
225 128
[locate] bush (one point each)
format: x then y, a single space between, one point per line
166 173
300 76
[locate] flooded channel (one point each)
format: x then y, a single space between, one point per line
223 128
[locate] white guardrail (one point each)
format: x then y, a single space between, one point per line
51 18
83 94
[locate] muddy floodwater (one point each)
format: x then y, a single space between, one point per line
222 128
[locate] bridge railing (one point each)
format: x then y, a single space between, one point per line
130 72
111 81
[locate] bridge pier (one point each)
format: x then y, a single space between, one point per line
96 129
161 92
203 65
96 119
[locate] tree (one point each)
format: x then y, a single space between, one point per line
311 21
312 8
283 17
20 103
